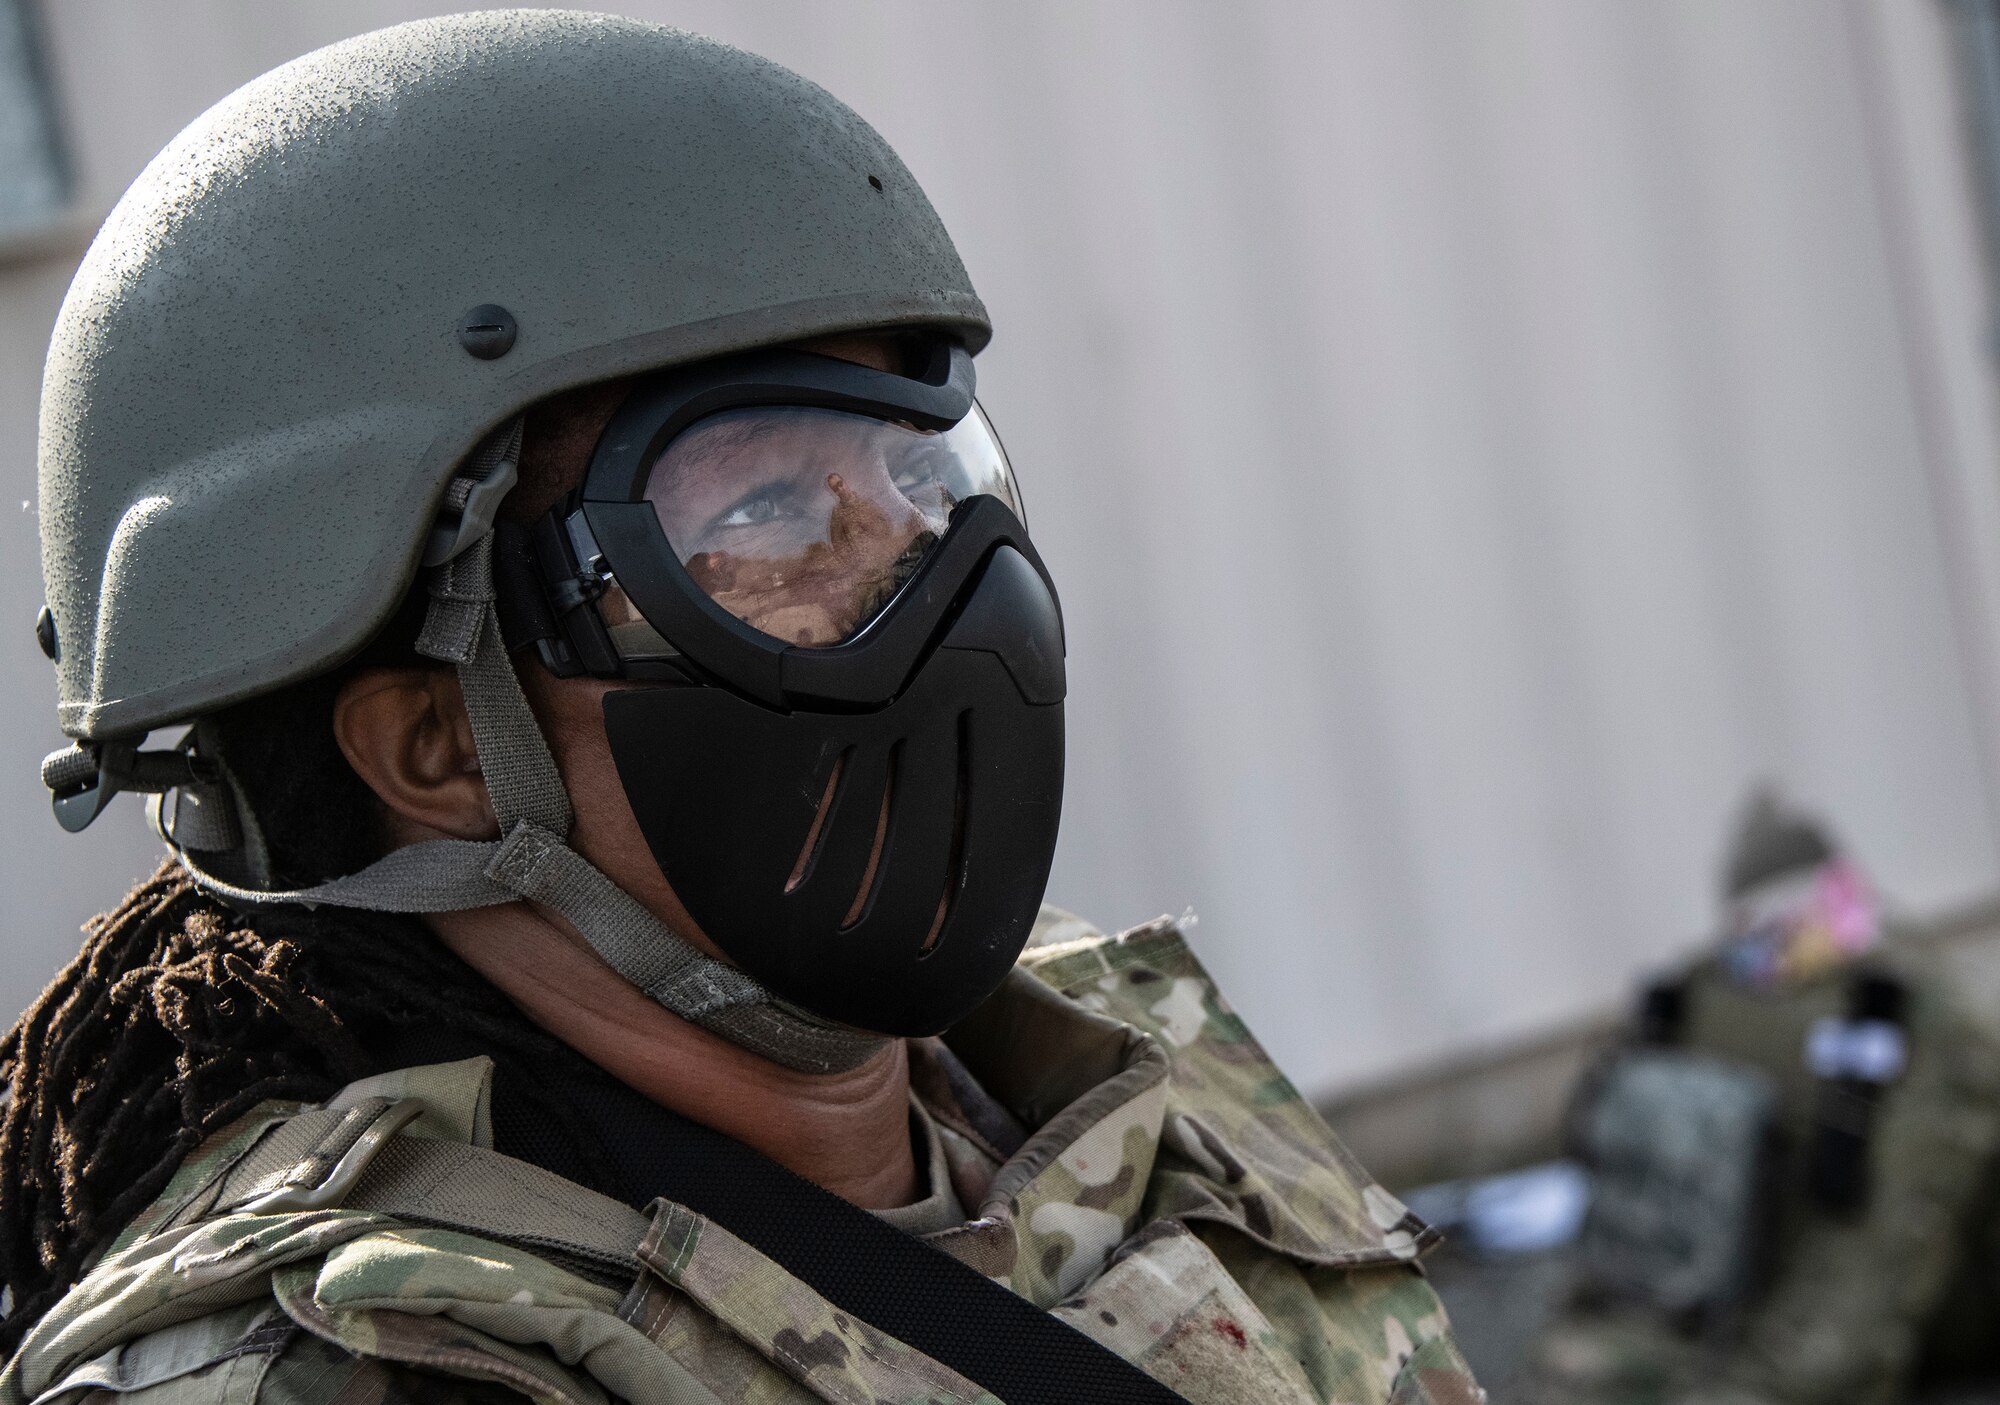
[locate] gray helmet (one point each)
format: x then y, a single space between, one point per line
313 304
292 368
1772 840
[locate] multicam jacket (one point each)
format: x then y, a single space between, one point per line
1177 1200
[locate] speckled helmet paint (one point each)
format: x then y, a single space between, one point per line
259 386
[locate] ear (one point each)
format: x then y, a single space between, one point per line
406 734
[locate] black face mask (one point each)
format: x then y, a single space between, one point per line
846 749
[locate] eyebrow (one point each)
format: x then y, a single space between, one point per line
726 434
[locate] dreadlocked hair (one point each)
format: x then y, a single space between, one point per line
179 1016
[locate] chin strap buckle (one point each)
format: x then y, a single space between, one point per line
83 776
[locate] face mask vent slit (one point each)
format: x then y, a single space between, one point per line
871 877
954 873
809 851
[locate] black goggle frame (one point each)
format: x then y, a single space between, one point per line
607 532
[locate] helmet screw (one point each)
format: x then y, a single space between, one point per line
45 631
488 331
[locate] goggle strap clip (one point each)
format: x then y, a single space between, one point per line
474 494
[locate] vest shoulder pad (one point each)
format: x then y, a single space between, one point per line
1239 1145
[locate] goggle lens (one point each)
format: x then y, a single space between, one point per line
805 522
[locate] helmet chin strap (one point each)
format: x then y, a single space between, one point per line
532 859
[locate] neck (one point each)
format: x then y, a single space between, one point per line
848 1131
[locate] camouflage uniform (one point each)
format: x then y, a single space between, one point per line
1178 1201
1848 1301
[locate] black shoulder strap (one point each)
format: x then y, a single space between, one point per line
948 1311
856 1261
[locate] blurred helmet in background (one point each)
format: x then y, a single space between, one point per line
1794 904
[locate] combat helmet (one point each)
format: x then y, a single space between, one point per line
290 372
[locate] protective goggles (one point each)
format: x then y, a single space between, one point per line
756 520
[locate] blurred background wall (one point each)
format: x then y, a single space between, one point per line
1476 441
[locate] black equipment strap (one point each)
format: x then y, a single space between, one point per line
953 1314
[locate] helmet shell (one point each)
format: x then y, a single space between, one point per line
256 391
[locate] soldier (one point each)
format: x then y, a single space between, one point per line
1789 1155
544 993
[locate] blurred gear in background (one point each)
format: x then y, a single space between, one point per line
1790 1151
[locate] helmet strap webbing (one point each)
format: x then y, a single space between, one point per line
532 859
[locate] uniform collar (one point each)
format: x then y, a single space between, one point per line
1095 1091
1142 1095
